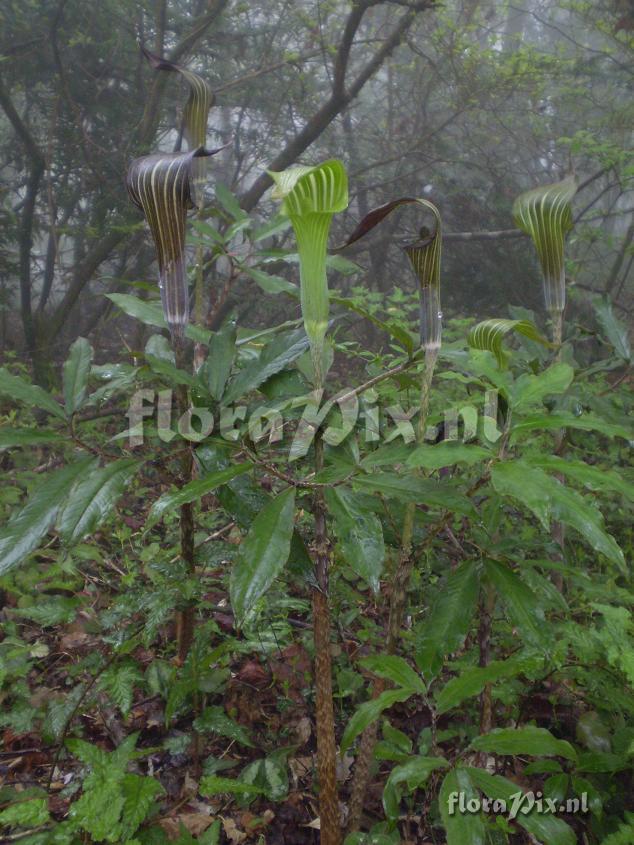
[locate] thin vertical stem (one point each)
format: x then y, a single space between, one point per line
185 617
398 603
329 816
558 530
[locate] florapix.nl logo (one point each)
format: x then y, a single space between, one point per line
297 420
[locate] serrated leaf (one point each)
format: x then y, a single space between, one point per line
396 669
27 527
263 554
360 535
75 375
119 683
472 681
615 331
369 711
537 742
12 437
279 353
529 390
449 620
547 498
19 390
193 490
93 497
150 313
521 603
55 611
409 488
446 454
139 794
593 477
271 283
222 350
30 814
561 419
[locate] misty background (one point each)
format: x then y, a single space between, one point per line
465 102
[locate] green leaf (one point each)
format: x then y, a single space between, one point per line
192 491
222 351
12 437
31 813
360 535
546 497
392 668
271 283
119 682
25 529
461 828
446 454
215 720
546 828
270 775
473 680
93 497
76 373
522 604
409 488
615 331
369 711
593 477
529 390
282 351
263 554
55 611
215 785
489 334
166 368
537 742
413 774
545 214
139 794
229 202
561 419
449 620
150 313
19 390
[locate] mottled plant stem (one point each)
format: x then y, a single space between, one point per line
398 604
185 617
329 817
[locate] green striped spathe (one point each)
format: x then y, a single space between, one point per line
311 195
160 186
545 214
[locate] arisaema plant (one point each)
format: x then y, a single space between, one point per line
310 197
424 254
165 186
545 214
